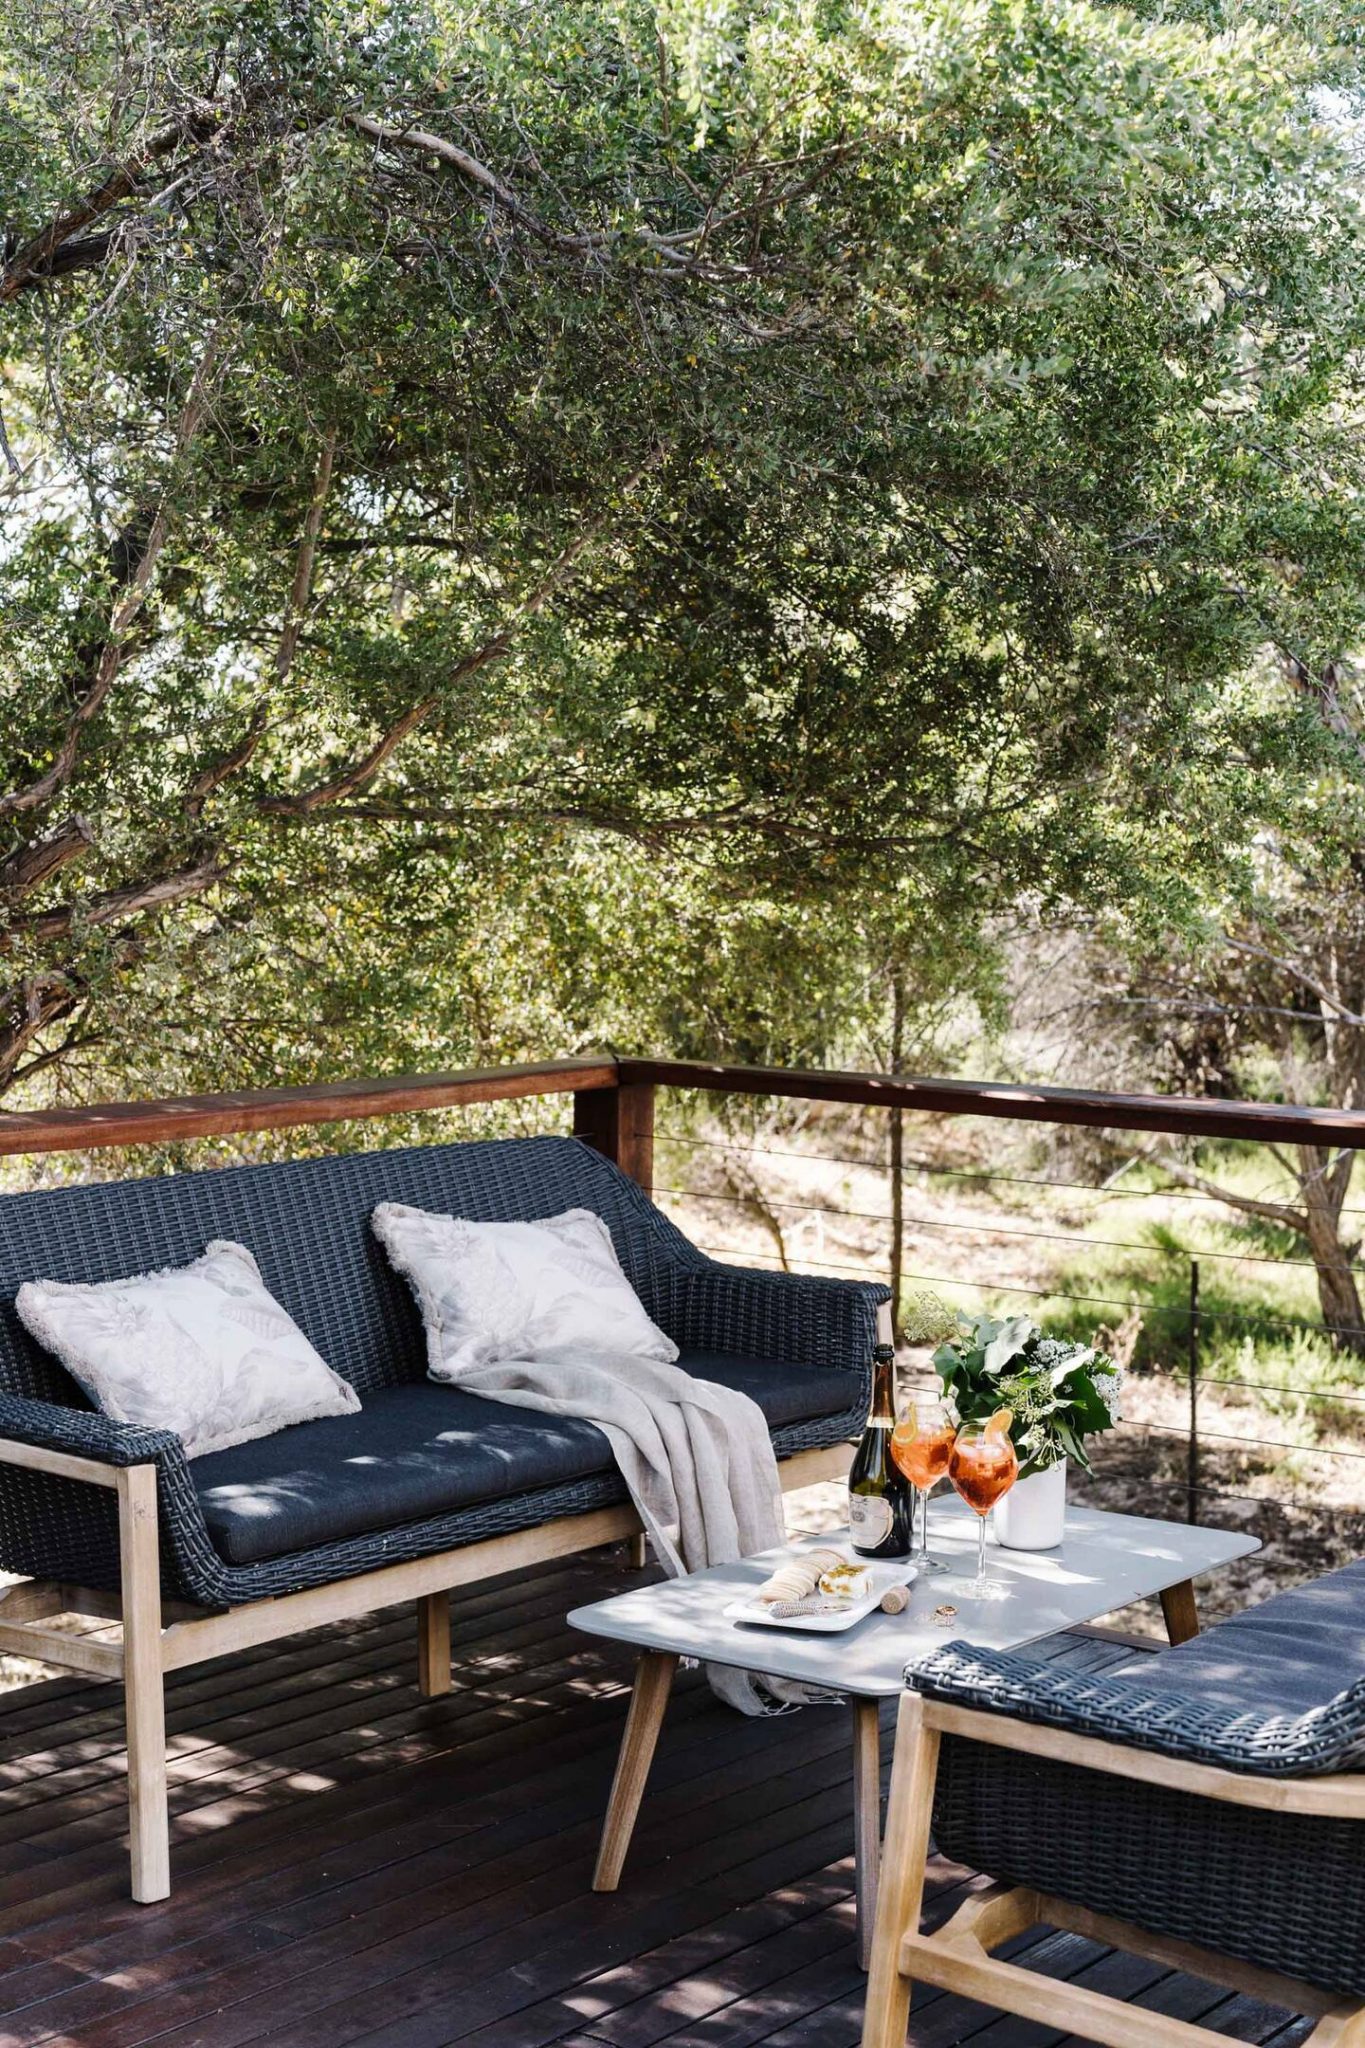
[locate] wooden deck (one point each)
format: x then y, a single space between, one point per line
357 1868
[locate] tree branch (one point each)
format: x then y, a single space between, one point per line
38 862
28 1009
682 249
359 772
469 167
135 897
645 830
217 772
1250 1205
36 257
304 562
1301 975
115 643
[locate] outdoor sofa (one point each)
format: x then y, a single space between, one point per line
423 1489
1203 1807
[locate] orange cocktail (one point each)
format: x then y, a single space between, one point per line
922 1446
983 1467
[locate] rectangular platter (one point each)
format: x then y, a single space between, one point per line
892 1572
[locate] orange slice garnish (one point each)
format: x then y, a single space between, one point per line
1000 1422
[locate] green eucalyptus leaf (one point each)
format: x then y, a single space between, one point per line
1007 1342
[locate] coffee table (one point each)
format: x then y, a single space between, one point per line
1105 1561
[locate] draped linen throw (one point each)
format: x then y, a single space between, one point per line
696 1457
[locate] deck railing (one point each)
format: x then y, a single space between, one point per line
614 1109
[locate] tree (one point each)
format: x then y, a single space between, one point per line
790 457
1270 1000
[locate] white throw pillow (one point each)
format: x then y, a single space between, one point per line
524 1291
204 1350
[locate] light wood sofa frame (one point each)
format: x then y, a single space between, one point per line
159 1636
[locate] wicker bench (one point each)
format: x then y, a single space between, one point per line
423 1490
1204 1807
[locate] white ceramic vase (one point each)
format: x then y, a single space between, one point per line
1032 1515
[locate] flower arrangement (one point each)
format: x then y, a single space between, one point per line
1059 1393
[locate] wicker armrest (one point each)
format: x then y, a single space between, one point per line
83 1433
1147 1714
789 1316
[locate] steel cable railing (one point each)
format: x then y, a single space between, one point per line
1115 1244
1104 1189
782 1206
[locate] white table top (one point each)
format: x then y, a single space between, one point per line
1104 1562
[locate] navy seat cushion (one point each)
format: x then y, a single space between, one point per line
421 1449
1294 1652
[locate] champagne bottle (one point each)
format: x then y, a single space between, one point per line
880 1497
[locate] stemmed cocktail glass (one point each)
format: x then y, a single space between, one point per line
983 1467
922 1446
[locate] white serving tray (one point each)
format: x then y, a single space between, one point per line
893 1572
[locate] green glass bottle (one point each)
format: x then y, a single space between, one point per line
881 1500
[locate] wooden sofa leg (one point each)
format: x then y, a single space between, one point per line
637 1551
901 1892
144 1685
433 1645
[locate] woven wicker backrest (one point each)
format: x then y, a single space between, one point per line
307 1221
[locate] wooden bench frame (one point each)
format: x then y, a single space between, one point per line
613 1111
158 1636
957 1957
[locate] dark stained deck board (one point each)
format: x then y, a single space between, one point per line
356 1867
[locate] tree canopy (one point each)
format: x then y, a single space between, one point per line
526 524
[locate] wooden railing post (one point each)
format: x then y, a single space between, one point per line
619 1122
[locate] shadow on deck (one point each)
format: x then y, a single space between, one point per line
354 1865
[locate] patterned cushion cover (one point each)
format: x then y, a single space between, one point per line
204 1350
527 1291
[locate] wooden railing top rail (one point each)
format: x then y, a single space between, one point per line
1182 1115
79 1129
278 1109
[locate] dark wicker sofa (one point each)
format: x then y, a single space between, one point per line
1204 1806
424 1488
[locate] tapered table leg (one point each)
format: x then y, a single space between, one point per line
867 1819
653 1678
1179 1612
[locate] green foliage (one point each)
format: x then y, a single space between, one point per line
785 482
1058 1393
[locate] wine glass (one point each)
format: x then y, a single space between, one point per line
983 1467
922 1446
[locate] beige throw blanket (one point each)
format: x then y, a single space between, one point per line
696 1457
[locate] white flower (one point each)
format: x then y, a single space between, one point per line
1107 1381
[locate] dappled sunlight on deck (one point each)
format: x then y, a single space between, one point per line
357 1867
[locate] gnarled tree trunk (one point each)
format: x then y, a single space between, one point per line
1324 1182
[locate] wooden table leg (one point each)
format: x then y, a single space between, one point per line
1179 1612
653 1677
867 1819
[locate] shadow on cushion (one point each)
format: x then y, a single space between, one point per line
421 1450
1294 1652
